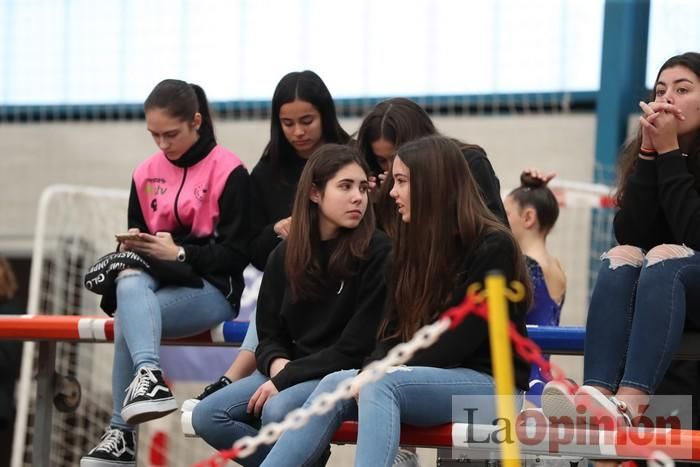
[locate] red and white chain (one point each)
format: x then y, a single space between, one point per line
425 337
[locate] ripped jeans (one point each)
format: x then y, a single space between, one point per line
637 315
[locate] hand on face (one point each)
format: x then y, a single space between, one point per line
384 152
376 182
673 119
659 124
372 183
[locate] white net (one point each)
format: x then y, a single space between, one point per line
75 226
582 233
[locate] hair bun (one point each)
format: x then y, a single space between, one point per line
529 181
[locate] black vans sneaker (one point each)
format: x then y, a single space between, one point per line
188 405
116 448
147 397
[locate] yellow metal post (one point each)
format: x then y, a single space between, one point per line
502 363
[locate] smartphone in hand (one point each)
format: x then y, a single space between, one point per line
122 237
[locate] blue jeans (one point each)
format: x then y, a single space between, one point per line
250 341
419 396
636 317
221 419
145 312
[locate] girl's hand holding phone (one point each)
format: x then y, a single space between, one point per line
124 239
160 245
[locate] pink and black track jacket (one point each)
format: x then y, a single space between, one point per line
203 200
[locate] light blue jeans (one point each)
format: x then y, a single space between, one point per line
147 312
221 418
420 396
250 341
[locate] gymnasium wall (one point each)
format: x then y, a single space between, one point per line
104 154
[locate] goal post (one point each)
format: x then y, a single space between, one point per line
74 226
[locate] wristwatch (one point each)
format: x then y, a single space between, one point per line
181 254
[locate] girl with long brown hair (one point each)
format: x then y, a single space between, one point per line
448 239
320 301
303 117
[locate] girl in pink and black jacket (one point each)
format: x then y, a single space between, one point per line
189 203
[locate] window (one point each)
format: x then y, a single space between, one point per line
115 51
671 32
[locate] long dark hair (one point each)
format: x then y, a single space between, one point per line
398 121
182 100
448 217
628 158
307 276
306 86
535 192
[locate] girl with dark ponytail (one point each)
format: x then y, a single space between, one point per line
188 210
532 211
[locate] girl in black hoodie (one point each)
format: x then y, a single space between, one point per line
320 301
